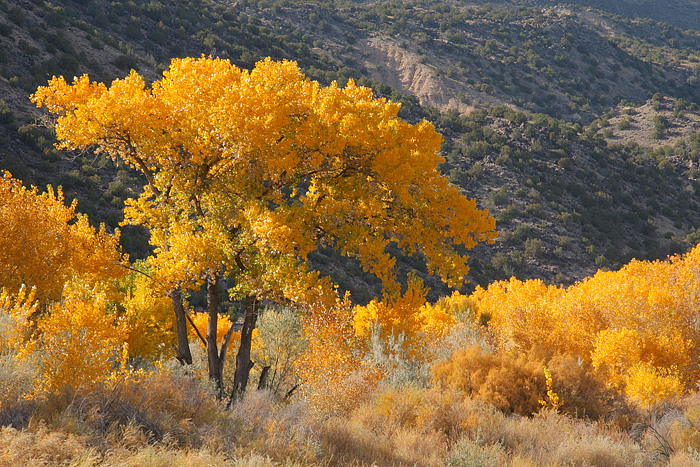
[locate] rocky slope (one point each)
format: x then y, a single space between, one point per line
546 109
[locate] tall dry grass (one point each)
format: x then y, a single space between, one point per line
164 419
171 417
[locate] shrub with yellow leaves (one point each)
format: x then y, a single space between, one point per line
647 385
334 376
150 317
80 339
17 311
394 315
517 383
44 243
408 318
17 378
637 326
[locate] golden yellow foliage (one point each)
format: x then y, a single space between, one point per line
150 318
637 324
44 243
436 320
223 324
19 309
250 171
79 339
259 168
16 378
409 316
552 400
647 385
394 315
334 376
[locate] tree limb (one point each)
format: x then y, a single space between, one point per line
196 330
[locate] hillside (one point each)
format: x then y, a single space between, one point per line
684 14
547 112
570 200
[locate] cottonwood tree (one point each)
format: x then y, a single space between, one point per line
58 278
44 243
249 172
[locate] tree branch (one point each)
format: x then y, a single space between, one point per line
239 261
134 269
225 342
187 315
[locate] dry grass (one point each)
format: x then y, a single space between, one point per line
554 439
17 378
171 418
40 447
176 410
163 421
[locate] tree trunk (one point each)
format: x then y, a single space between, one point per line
262 384
243 362
213 359
183 344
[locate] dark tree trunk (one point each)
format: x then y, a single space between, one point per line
183 344
262 384
213 358
243 362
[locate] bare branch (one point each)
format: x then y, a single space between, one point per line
199 334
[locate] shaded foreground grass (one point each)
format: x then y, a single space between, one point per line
166 419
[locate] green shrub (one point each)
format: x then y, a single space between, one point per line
6 115
475 453
16 15
660 123
279 343
534 248
476 170
5 30
499 197
126 62
624 124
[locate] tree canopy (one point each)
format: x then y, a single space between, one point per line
249 172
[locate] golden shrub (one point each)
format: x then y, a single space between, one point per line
644 314
647 385
80 339
517 383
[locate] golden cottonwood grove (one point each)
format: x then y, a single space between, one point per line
44 243
637 326
72 270
249 172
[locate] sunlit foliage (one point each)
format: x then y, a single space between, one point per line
407 317
151 323
638 326
17 311
44 243
17 378
334 374
271 164
249 172
223 324
80 339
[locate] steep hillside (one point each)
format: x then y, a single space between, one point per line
684 14
571 200
547 111
567 62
